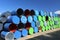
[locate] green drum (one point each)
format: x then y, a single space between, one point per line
31 31
43 18
49 18
48 24
46 28
55 18
41 23
49 27
51 22
59 23
55 26
43 29
39 18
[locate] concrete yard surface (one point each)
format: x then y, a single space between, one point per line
47 35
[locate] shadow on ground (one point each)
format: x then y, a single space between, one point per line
54 36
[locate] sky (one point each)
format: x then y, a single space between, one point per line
47 5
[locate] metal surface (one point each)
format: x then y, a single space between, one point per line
19 12
17 34
10 27
15 19
7 35
38 24
1 26
23 19
30 19
27 12
39 18
42 13
3 19
6 14
36 12
24 32
35 18
35 29
31 31
33 24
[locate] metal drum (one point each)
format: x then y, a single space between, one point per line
39 18
35 29
17 34
20 12
38 24
36 12
31 31
32 12
6 14
43 18
33 24
3 19
35 19
7 35
10 27
45 23
1 26
21 26
13 19
13 13
23 19
47 14
43 28
42 13
24 32
30 19
46 18
41 23
48 25
51 14
46 28
27 12
27 25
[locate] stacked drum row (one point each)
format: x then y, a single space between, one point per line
20 23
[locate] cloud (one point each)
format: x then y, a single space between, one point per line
57 12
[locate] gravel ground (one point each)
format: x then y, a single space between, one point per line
49 36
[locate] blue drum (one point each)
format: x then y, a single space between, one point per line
14 19
47 13
42 13
13 13
7 35
10 27
35 29
6 26
33 24
36 12
51 14
35 18
17 34
23 19
30 19
24 32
